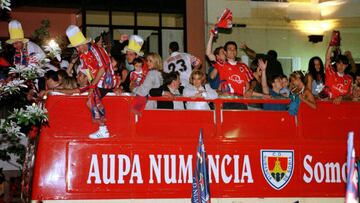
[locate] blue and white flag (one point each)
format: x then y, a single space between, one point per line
351 183
200 185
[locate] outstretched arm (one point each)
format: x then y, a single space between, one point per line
308 98
328 54
209 53
71 65
249 52
328 57
263 65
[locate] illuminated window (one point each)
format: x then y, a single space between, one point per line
97 17
123 18
172 20
148 19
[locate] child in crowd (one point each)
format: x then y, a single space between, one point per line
285 86
137 76
198 89
298 87
274 91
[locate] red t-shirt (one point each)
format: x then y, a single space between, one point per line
235 75
137 78
338 85
95 59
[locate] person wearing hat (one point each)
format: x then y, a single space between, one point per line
97 66
131 51
26 52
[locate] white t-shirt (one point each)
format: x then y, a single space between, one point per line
183 63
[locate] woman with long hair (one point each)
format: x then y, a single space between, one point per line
315 77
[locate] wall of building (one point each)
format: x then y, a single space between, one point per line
31 18
196 28
281 26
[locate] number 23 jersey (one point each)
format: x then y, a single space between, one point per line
181 62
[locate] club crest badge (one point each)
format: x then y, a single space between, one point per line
277 167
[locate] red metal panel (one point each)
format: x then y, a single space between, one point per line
173 125
255 125
235 141
330 120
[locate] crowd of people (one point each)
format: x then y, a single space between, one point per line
125 69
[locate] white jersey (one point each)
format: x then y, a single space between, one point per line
183 63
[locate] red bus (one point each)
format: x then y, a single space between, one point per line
253 156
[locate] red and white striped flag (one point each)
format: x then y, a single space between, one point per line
224 21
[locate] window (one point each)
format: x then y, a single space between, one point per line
123 18
148 19
172 20
97 17
157 29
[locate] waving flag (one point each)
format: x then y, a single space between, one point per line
225 21
351 183
200 185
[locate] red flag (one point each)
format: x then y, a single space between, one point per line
225 21
335 38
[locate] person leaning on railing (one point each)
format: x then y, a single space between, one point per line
199 89
298 87
234 75
169 89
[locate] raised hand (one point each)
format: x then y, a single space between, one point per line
262 64
243 45
124 37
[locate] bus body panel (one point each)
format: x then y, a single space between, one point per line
152 156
